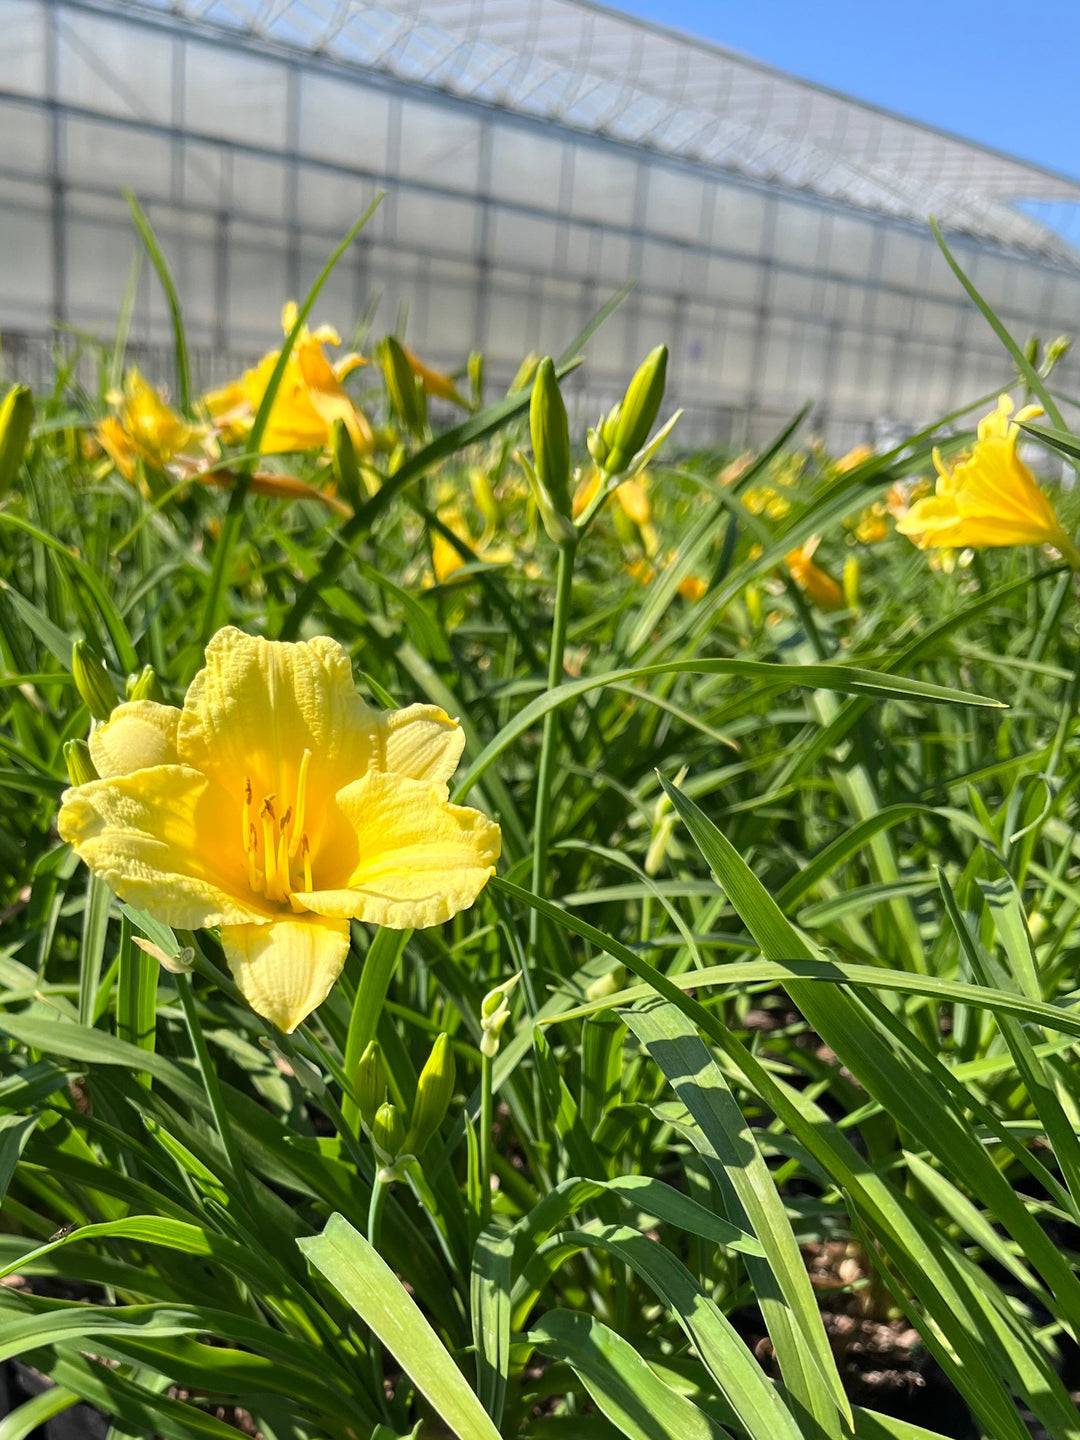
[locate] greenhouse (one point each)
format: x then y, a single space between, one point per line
534 157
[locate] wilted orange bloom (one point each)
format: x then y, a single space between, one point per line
308 401
990 497
144 428
817 583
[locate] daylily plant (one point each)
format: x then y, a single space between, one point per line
990 497
278 805
146 428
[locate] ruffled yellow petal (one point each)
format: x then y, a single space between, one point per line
286 968
165 840
258 705
136 736
420 742
399 854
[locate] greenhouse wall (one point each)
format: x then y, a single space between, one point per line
497 231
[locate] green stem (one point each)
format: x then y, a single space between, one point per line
213 1092
374 1228
487 1156
548 743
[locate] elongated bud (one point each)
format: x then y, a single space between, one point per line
1031 349
1055 351
370 1083
550 436
475 370
92 682
636 416
344 464
144 685
596 444
609 984
405 389
851 582
494 1013
434 1091
16 418
80 767
387 1134
484 497
754 607
526 370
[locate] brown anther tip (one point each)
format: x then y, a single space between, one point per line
268 807
247 789
253 836
286 817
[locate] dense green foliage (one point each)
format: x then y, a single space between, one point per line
792 1051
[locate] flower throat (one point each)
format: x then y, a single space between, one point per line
276 847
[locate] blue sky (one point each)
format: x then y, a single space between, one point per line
1005 75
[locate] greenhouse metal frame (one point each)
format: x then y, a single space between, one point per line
534 157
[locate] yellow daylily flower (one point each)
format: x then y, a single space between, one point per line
277 805
309 399
145 428
853 458
446 558
990 497
872 526
435 382
817 583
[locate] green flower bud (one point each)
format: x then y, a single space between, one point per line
851 582
494 1013
182 963
92 682
345 467
597 445
550 436
1057 349
526 370
475 369
370 1083
1031 350
80 767
609 984
434 1091
387 1134
637 414
406 391
16 418
144 685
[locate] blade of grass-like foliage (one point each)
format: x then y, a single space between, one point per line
582 338
115 377
1032 379
357 1271
492 1271
164 274
740 1379
1063 441
95 929
215 592
915 1253
25 1419
845 679
136 992
15 1130
624 1388
721 1133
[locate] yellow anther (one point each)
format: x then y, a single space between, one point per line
301 802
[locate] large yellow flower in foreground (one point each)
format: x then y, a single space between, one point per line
310 398
277 805
990 497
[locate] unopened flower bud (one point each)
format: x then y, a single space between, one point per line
638 411
92 682
550 437
475 370
1031 349
344 464
484 496
387 1134
370 1083
609 984
144 685
434 1091
80 767
597 445
1057 350
754 607
16 418
494 1013
404 388
526 370
851 582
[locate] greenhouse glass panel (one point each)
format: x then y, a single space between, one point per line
235 96
676 201
26 138
439 146
108 66
22 55
343 122
604 185
526 167
26 281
